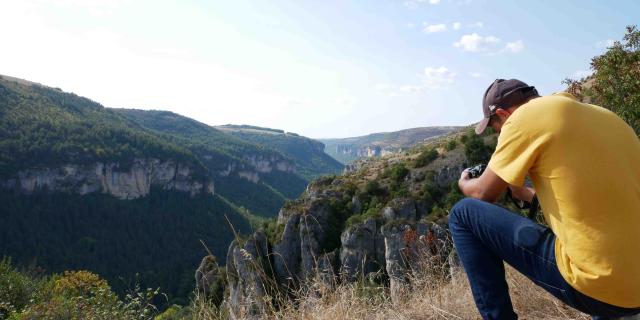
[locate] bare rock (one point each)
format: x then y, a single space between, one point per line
246 277
313 233
208 280
395 266
358 252
400 209
286 253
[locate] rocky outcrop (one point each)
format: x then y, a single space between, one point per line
286 253
358 250
400 209
364 151
395 245
131 182
246 277
394 262
313 235
254 165
209 280
264 164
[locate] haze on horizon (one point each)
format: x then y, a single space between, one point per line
326 69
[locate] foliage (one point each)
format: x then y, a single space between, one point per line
372 187
615 83
74 295
176 312
17 289
475 149
40 126
79 283
273 230
396 172
452 144
425 157
372 212
341 210
157 237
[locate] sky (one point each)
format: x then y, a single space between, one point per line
323 69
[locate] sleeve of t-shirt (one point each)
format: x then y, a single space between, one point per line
515 154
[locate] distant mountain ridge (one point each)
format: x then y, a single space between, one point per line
346 150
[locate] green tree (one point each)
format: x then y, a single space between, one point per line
615 82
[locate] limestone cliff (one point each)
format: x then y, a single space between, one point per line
131 182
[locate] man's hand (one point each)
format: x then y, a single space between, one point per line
465 175
487 187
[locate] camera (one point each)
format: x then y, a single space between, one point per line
475 172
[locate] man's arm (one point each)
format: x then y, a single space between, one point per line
489 186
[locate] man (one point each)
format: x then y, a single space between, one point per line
584 162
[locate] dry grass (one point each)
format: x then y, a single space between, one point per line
427 299
428 296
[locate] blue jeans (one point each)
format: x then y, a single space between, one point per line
485 235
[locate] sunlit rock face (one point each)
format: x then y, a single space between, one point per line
131 182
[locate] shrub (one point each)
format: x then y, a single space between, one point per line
425 157
476 150
451 145
372 188
74 295
396 172
16 289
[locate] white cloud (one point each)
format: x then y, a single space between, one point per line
478 24
581 74
435 78
605 44
514 47
410 89
456 25
476 43
414 3
475 74
433 28
410 25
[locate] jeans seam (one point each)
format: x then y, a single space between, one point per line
563 291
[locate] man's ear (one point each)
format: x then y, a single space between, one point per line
503 113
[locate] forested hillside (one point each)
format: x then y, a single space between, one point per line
42 126
127 194
309 154
249 174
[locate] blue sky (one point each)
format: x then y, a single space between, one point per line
319 68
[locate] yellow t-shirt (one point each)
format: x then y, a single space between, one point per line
584 162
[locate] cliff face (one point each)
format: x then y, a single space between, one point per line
123 183
136 180
383 219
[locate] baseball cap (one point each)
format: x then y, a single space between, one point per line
503 94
